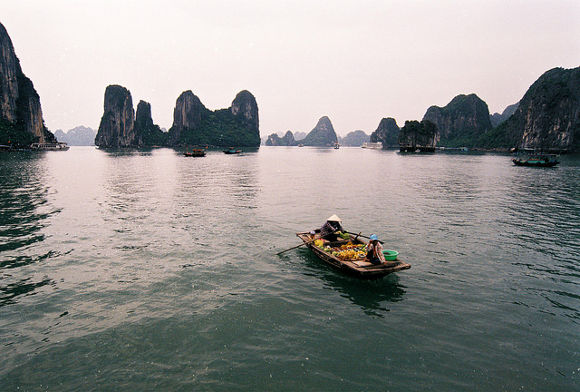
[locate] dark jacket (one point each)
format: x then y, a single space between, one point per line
328 229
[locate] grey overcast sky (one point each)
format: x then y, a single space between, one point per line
354 61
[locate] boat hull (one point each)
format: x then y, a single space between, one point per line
194 154
534 163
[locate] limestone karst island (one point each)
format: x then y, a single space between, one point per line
546 117
289 196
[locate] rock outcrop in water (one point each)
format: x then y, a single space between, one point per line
188 115
548 115
417 135
322 135
117 124
354 139
194 124
461 122
245 107
146 132
286 140
21 121
387 133
78 136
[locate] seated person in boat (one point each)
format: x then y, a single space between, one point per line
331 229
375 250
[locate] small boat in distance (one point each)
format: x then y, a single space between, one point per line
232 150
59 146
356 265
537 160
196 152
374 146
336 146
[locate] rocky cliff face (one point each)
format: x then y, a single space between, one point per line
387 133
187 115
143 119
322 135
461 121
117 124
20 109
286 140
194 124
9 73
244 105
498 118
146 132
548 116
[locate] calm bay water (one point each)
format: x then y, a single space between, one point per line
151 271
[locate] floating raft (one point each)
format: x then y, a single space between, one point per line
359 268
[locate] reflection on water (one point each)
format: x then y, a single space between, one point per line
371 296
22 287
179 254
24 213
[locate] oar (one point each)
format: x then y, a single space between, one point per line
294 247
363 236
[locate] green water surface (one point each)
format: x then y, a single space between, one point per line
148 270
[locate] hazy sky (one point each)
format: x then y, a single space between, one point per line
354 61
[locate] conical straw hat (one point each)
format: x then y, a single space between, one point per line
334 218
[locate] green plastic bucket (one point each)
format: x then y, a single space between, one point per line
390 255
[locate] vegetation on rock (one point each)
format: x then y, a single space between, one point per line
386 133
194 124
286 140
415 134
548 115
322 135
461 122
355 139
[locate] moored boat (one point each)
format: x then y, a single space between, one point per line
196 152
232 150
374 146
353 262
59 146
541 160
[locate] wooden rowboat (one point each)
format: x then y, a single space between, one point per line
359 268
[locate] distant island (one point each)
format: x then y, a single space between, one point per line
322 135
547 117
193 123
77 136
354 139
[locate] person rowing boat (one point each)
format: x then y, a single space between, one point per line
331 229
